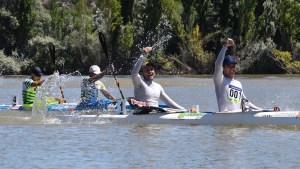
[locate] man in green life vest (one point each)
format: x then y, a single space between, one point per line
30 86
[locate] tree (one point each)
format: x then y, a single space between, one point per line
108 20
288 29
22 17
10 25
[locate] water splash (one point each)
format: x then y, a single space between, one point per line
70 75
43 94
158 44
48 94
158 37
161 41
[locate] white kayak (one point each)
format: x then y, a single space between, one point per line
280 118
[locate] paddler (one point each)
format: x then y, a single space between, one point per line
29 87
229 91
91 86
145 89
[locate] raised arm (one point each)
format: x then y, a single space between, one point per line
136 78
219 62
100 75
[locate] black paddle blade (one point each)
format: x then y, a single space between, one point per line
103 43
52 52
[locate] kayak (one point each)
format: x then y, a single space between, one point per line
280 118
102 104
65 106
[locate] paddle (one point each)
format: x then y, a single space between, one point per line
140 105
52 54
104 47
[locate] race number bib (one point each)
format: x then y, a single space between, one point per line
234 94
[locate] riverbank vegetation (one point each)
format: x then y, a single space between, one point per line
187 34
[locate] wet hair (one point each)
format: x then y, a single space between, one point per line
148 64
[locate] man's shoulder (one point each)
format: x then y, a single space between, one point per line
28 80
156 84
86 79
99 83
236 82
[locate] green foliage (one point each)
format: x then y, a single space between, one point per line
82 20
199 59
38 52
121 54
208 15
82 53
13 64
186 34
283 56
9 24
125 39
288 23
108 16
255 58
164 64
57 16
173 9
295 66
246 20
42 20
21 16
8 64
296 51
266 21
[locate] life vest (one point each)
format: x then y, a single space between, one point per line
28 96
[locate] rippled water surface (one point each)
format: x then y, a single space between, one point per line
26 143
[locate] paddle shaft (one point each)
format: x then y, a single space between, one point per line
104 47
53 58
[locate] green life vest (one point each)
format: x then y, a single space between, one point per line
28 97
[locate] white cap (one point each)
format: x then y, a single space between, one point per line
95 69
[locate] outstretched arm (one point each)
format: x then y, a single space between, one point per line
251 105
107 94
166 99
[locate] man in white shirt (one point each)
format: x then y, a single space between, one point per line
145 89
229 91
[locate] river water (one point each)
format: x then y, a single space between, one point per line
27 144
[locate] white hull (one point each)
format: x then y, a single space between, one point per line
205 118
